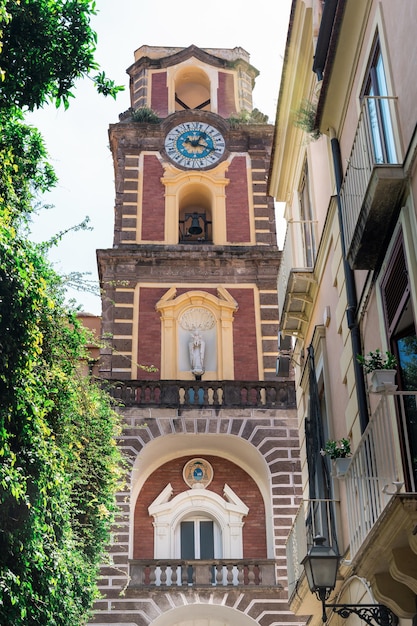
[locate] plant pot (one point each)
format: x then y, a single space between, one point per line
341 465
382 381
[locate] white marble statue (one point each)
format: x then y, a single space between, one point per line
197 348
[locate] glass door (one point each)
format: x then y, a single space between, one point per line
378 108
198 541
405 346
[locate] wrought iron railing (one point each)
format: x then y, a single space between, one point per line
205 573
375 474
374 145
314 517
193 394
298 254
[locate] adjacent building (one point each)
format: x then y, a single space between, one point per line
344 164
190 321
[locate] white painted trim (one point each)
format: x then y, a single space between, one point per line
168 515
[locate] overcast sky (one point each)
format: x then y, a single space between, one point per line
77 139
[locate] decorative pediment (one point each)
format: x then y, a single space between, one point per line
223 300
227 513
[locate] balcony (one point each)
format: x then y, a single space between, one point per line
314 517
202 573
296 279
382 517
373 184
184 394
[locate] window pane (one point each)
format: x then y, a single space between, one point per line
206 540
380 76
379 112
375 131
187 540
306 214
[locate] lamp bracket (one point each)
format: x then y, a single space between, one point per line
372 614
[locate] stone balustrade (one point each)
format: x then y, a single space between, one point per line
215 394
205 573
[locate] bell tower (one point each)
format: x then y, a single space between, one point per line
190 320
194 240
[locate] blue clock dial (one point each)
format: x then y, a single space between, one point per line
195 145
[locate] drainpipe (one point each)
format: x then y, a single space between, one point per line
352 302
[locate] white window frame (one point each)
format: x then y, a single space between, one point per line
227 513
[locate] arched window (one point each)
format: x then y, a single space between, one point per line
192 90
198 522
197 192
198 537
195 215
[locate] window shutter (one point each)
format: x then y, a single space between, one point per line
395 287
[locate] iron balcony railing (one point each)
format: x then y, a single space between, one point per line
196 394
375 474
202 573
298 254
374 145
314 517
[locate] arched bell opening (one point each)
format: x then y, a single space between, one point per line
195 216
192 90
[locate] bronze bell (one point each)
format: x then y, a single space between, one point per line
195 228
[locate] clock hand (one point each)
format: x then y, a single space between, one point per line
202 143
206 147
194 143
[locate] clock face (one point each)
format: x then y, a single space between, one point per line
194 145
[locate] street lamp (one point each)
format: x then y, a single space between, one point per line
321 564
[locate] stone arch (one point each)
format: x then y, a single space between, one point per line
161 449
214 615
186 191
192 88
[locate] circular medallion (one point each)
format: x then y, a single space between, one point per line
197 473
195 145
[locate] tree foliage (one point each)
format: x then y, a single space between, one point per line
59 461
25 170
58 456
46 46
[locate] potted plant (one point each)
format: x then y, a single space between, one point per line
381 370
339 452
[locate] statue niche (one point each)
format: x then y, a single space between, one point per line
199 325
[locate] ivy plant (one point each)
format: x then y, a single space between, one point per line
59 462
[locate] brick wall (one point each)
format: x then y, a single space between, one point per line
244 332
226 95
244 336
153 200
159 94
254 537
272 434
237 203
149 341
